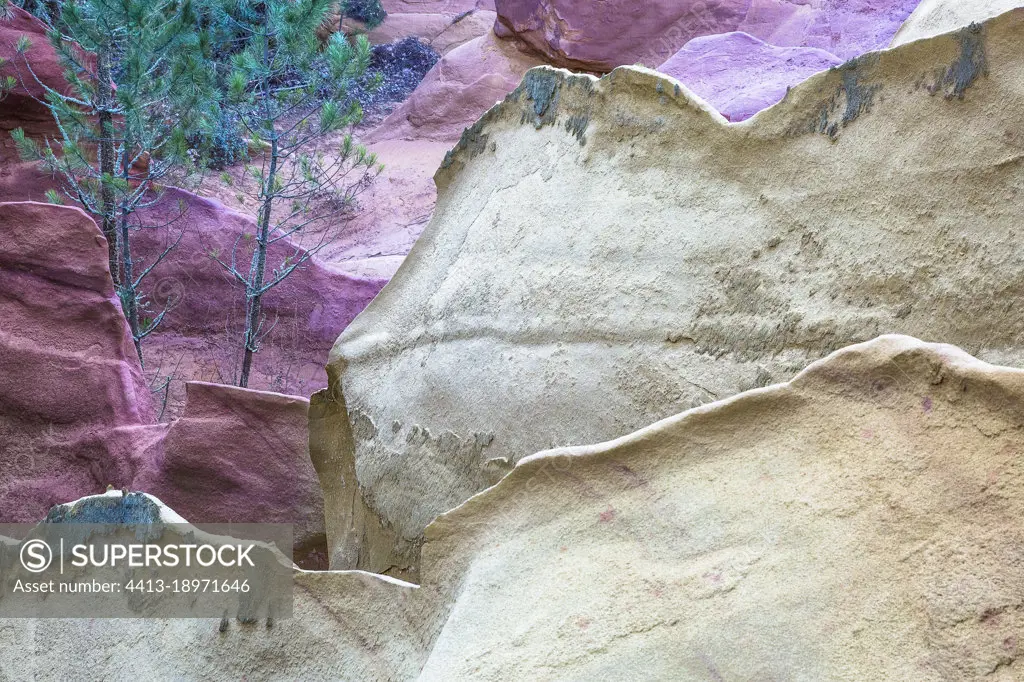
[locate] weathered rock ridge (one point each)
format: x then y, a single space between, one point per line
606 253
933 17
600 36
860 522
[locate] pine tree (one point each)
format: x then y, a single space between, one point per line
291 98
137 82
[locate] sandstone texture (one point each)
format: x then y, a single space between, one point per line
446 27
858 523
464 84
393 211
740 75
237 455
73 401
591 269
21 108
77 413
934 17
600 36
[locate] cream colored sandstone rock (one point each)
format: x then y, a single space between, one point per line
860 523
933 17
352 626
606 253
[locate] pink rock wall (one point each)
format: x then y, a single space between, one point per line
201 335
72 398
20 109
241 456
601 36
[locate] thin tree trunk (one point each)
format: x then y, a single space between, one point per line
254 297
105 101
129 298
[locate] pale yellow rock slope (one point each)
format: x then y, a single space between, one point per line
860 523
933 17
606 253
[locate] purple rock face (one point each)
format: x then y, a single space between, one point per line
598 36
780 43
846 28
740 75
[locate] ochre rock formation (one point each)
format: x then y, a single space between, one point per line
469 80
235 455
443 24
860 522
73 401
77 413
600 36
21 107
201 335
464 84
934 17
392 211
606 253
740 75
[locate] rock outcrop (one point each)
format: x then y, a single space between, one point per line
200 337
21 108
73 403
600 36
237 455
859 522
464 84
740 75
77 414
591 269
443 24
934 17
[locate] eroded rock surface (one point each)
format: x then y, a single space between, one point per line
21 107
740 75
74 406
77 414
600 36
237 455
860 522
464 84
934 17
591 268
200 337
